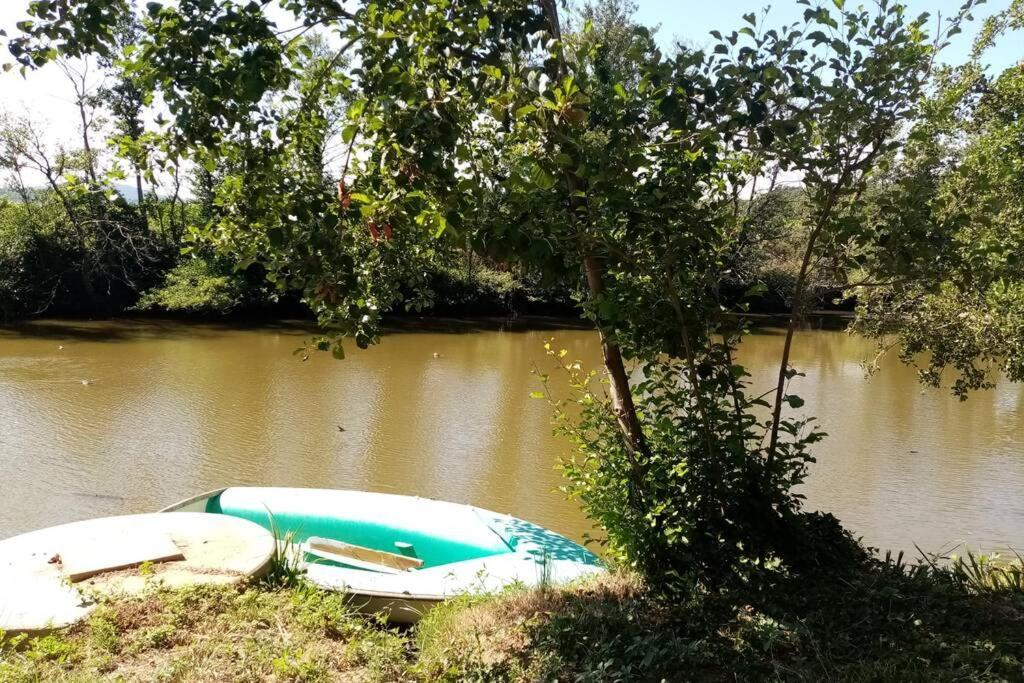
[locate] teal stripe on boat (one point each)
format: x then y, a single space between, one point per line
439 532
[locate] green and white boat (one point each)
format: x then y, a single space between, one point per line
401 554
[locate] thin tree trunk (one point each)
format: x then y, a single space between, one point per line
140 193
801 283
175 228
621 394
79 84
794 316
90 161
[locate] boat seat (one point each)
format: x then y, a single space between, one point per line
360 556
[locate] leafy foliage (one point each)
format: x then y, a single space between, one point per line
702 518
198 286
873 621
950 228
75 246
589 159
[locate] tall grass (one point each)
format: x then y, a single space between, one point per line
987 573
976 573
286 566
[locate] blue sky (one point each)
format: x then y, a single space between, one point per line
691 20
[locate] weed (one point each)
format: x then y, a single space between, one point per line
988 573
51 648
879 620
103 632
154 637
294 665
325 613
286 566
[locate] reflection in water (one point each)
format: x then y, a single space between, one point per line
904 464
172 409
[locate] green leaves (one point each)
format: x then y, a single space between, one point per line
442 224
538 175
525 111
356 108
952 273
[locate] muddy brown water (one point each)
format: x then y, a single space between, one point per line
101 418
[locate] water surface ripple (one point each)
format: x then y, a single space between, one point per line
130 416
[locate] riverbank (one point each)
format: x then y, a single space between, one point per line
877 621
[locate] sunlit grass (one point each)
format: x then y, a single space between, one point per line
958 619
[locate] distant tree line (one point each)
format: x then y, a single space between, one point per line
114 224
75 246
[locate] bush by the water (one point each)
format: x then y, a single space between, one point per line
124 263
206 286
488 289
93 265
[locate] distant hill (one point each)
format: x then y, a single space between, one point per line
128 192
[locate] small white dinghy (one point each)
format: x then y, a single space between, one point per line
402 555
49 578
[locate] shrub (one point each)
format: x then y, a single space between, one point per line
705 506
198 285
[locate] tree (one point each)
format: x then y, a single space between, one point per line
126 101
947 276
95 234
868 87
590 157
86 101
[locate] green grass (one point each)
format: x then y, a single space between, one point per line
879 622
214 633
882 621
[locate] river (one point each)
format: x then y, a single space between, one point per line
100 418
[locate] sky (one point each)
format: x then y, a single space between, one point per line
46 97
692 20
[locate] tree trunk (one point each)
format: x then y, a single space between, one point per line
90 161
140 193
622 396
794 316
